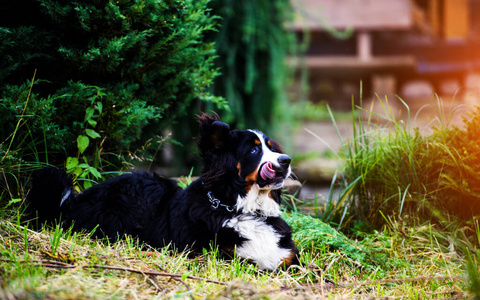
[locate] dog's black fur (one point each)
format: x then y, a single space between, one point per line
235 202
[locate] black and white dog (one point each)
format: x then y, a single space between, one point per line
235 202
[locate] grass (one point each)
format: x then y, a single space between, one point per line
398 261
392 168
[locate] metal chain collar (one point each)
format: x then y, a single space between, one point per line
230 208
216 203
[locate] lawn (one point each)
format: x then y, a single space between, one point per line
417 261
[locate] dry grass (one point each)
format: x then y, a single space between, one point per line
411 262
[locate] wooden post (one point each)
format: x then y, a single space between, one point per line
434 15
364 45
456 19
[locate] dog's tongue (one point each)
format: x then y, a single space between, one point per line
267 171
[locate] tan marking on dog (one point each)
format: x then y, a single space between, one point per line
239 168
288 261
271 195
258 142
251 179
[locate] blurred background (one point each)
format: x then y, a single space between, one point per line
336 51
409 48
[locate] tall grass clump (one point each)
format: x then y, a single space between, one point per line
384 161
401 171
459 165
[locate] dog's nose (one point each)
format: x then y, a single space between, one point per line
284 160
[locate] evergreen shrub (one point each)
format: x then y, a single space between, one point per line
113 72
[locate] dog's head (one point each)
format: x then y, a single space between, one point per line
248 155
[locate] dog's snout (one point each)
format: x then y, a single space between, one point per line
284 160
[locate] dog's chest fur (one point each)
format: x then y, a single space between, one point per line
262 240
262 244
260 202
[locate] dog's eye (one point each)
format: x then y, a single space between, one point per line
255 150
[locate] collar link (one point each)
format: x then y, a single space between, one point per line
230 208
216 203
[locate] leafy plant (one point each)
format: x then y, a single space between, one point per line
148 60
311 233
84 170
184 182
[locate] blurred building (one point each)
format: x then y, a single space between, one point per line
410 48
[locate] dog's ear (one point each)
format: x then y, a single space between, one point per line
214 134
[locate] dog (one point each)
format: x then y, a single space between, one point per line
235 203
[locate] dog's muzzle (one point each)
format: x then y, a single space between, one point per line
274 173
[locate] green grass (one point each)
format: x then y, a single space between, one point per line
401 261
392 168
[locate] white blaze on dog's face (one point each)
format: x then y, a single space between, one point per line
274 166
264 168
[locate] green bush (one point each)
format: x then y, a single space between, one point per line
115 73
